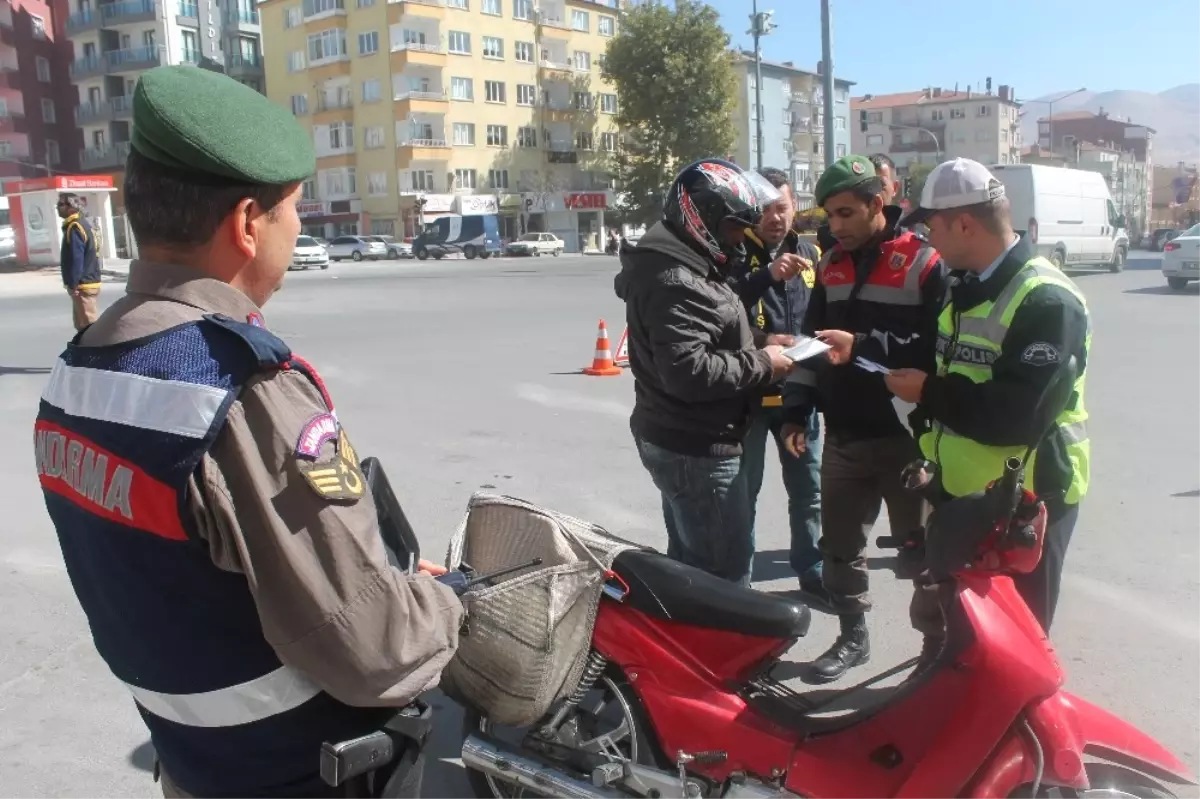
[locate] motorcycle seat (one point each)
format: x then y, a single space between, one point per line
673 591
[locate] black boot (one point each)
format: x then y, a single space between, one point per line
852 648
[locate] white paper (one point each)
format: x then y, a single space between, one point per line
871 366
806 348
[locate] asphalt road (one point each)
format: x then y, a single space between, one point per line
463 376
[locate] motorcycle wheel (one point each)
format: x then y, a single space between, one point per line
1108 782
610 710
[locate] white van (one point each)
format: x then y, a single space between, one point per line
1068 214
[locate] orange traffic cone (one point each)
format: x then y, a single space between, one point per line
602 363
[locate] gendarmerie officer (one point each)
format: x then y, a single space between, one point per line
208 502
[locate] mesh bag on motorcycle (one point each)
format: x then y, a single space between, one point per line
526 639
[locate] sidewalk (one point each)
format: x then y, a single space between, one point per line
30 281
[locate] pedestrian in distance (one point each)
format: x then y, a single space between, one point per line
212 514
697 364
1012 319
79 261
877 297
885 168
775 282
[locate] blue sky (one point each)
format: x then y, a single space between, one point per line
898 46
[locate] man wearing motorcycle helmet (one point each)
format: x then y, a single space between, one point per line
697 364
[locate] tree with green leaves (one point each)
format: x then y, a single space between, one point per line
675 78
917 173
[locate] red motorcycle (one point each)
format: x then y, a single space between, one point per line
678 697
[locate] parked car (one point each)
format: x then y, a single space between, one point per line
308 252
1181 258
356 248
1160 237
536 244
395 247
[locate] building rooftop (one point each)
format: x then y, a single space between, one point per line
1073 115
788 66
931 96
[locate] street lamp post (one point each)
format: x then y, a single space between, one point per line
760 25
827 79
1050 111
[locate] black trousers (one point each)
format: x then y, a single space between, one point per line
1040 588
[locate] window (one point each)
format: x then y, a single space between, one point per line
584 140
841 95
314 7
421 180
841 151
498 178
583 60
839 123
937 115
464 178
308 189
491 7
326 45
601 60
299 104
191 46
465 5
1003 158
52 154
497 135
296 61
464 134
48 113
39 26
608 104
364 3
874 117
583 101
526 94
377 184
608 142
1004 136
368 43
958 113
527 137
373 138
579 20
460 42
293 17
341 136
371 91
522 9
493 47
608 26
984 111
43 69
523 51
340 182
493 91
983 135
462 89
875 140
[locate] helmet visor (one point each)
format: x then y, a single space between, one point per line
764 194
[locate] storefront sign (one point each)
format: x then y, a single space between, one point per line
477 204
312 208
59 183
511 202
586 201
438 203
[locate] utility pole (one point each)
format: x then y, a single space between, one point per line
760 25
827 76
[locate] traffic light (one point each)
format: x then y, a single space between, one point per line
862 120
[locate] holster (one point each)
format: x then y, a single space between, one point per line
387 763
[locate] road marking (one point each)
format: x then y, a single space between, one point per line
1132 603
569 401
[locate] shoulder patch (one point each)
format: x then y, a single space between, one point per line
319 430
1040 353
339 478
269 350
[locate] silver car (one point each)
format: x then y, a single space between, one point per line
356 248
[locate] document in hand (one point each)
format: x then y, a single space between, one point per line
806 348
871 366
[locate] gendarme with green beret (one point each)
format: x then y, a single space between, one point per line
843 174
204 122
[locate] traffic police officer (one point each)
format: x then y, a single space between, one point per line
207 500
1011 320
877 297
79 260
774 282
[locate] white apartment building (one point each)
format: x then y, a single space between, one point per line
115 42
934 124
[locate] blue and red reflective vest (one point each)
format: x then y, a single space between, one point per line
120 430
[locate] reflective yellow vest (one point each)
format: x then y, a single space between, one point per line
972 340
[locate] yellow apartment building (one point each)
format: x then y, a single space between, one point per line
423 108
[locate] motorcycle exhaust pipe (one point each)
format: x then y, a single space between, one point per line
506 765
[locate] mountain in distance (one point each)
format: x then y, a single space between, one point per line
1174 115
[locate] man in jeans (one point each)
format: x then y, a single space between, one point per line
696 363
775 283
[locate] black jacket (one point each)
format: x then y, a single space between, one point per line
856 403
77 259
1001 412
772 306
695 365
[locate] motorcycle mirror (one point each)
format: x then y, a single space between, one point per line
1055 397
398 536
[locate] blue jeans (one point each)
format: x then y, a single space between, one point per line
801 479
709 519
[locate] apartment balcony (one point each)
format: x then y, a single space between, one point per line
128 12
114 108
421 102
110 157
188 13
88 67
15 146
9 117
242 19
137 59
8 58
414 148
418 54
244 65
559 152
430 9
557 64
82 22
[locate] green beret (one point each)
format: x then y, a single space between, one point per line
196 120
842 175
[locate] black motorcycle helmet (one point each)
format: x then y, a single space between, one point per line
707 193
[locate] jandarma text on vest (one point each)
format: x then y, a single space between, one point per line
86 471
